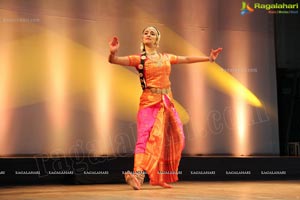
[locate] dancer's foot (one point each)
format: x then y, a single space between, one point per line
132 181
140 176
165 185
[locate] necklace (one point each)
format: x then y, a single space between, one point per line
155 57
152 53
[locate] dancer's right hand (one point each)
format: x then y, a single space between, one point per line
114 45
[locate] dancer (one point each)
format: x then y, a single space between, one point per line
160 137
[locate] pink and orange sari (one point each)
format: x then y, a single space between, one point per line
160 138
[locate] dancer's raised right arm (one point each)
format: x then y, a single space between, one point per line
113 58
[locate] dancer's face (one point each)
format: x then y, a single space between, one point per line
150 36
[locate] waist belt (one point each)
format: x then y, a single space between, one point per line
159 90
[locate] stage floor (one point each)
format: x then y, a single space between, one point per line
109 170
204 190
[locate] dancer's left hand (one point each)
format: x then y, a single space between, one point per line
214 53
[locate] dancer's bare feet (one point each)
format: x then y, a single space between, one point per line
165 185
132 181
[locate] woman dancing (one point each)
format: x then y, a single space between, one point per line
160 137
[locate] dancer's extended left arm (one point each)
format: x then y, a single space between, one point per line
193 59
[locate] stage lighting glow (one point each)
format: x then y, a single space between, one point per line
102 106
56 92
5 97
230 85
6 70
197 106
241 143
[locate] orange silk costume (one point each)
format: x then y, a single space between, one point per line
160 138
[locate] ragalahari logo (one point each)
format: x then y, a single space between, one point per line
246 8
